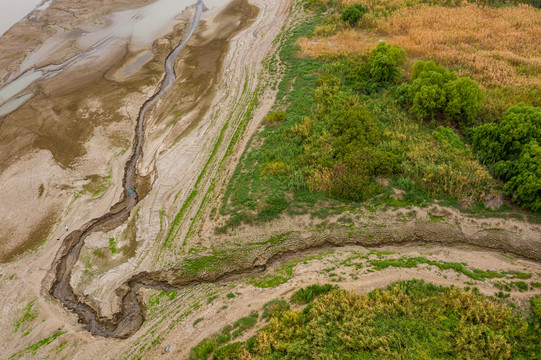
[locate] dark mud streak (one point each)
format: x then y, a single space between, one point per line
131 316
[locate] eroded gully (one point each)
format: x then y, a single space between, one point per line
131 316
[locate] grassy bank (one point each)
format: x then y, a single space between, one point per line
359 120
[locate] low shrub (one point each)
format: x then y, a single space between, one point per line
353 13
276 117
308 294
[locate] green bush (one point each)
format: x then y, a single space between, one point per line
448 136
276 117
525 181
274 307
463 101
353 13
383 66
228 352
306 295
427 101
437 93
512 149
202 351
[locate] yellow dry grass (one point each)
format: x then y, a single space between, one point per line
345 42
496 46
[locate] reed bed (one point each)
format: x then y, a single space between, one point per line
496 46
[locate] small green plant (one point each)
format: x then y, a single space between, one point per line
230 296
29 314
276 117
353 13
274 307
308 294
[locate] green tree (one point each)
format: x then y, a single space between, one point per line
434 91
512 149
426 66
525 182
427 101
463 101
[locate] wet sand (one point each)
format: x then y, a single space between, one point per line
47 141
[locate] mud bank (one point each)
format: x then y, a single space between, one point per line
65 147
131 316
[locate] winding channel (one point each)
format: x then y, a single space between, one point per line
131 316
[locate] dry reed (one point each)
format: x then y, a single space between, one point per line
345 42
496 46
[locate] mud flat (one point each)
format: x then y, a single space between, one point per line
59 147
141 84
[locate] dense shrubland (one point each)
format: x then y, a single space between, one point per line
512 149
407 320
347 120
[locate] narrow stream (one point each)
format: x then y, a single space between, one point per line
131 316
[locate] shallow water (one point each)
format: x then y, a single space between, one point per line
14 104
142 26
15 87
145 24
140 61
12 11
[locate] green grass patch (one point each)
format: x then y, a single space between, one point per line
308 294
33 348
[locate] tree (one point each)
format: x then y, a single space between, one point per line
525 182
427 100
436 91
383 66
463 101
512 148
504 141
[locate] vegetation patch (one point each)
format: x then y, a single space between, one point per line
353 118
29 313
214 344
33 348
410 320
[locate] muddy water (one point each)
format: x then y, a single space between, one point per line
131 317
140 25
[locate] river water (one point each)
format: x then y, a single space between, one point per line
12 11
140 27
